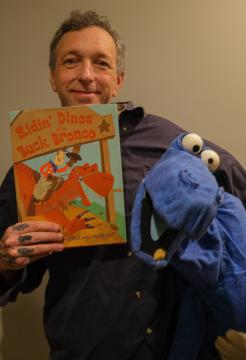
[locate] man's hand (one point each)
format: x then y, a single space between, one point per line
28 241
232 346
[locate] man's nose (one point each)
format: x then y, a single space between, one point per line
86 72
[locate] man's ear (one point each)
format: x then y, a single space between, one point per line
52 80
119 82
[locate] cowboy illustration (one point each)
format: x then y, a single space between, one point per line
49 180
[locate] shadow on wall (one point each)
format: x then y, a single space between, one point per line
22 326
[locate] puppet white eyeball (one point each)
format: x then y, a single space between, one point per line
211 159
192 143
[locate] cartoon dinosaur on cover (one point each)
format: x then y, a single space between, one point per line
70 189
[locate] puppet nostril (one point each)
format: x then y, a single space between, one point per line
188 178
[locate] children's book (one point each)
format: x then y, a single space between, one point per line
67 167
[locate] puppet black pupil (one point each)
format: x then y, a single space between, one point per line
210 161
196 148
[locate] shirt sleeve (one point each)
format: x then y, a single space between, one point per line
9 289
28 279
8 207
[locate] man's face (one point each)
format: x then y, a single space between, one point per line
85 70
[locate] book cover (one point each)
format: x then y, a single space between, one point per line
67 167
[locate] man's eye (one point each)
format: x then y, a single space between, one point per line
103 63
70 62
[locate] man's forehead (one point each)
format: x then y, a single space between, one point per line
93 36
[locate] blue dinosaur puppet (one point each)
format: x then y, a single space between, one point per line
182 218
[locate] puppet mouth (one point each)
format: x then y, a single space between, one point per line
156 235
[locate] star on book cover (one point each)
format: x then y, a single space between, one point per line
67 167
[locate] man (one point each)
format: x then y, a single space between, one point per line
101 302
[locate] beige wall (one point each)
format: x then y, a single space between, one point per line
185 60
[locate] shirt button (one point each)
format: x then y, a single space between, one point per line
129 254
149 331
124 128
138 294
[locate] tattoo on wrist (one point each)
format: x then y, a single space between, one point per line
25 251
23 238
20 227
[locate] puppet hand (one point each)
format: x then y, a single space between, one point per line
232 346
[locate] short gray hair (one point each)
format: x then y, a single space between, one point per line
78 21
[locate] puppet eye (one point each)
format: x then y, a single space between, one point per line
211 159
192 143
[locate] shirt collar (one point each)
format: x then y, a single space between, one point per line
127 110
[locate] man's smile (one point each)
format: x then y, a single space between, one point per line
86 95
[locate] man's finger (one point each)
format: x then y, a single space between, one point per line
228 350
238 338
33 226
33 250
20 262
33 238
